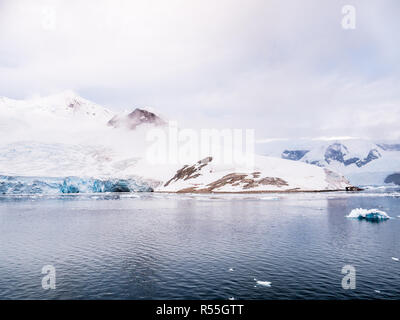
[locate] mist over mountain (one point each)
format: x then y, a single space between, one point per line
135 118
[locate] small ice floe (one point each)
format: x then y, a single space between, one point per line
231 298
231 269
262 283
269 198
377 291
369 215
395 259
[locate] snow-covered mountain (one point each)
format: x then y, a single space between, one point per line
363 162
268 175
64 143
65 105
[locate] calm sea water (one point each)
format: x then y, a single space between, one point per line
165 246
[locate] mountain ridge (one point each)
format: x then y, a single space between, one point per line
362 161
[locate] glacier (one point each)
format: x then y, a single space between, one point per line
13 185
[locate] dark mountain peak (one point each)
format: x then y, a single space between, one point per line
372 155
136 118
389 147
336 151
393 178
293 154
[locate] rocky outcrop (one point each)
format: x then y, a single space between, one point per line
189 172
247 182
372 155
294 154
393 178
136 118
389 147
336 152
354 189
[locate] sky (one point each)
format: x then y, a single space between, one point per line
287 69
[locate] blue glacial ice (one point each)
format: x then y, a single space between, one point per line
68 185
369 215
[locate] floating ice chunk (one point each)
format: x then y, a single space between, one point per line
231 269
269 198
377 291
263 283
395 259
231 298
369 215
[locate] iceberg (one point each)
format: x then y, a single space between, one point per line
12 185
262 283
369 215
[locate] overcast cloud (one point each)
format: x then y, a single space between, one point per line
285 68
